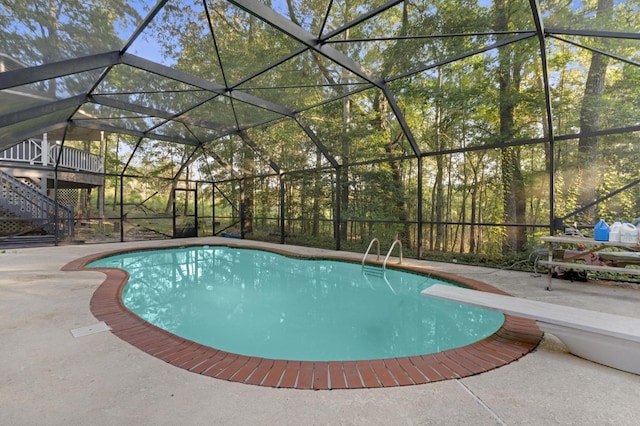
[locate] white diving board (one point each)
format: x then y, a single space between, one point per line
608 339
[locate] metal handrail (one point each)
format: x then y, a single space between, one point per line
384 264
375 240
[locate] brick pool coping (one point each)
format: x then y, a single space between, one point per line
516 338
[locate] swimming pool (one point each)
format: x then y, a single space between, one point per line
513 340
264 304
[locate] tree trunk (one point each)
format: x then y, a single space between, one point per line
514 200
344 178
246 197
317 193
590 122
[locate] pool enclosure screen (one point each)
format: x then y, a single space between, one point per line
456 125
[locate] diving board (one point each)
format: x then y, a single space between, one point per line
608 339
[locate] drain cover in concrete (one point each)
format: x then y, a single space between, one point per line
91 329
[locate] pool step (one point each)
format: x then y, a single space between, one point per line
373 270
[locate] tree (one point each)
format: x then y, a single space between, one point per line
509 78
590 119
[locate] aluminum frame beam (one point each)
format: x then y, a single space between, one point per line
132 132
30 75
153 112
592 33
40 110
108 101
314 138
537 17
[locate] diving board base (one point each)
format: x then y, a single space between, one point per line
606 350
607 339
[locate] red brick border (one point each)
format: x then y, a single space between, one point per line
513 340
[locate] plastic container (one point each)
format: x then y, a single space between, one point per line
614 231
601 231
628 233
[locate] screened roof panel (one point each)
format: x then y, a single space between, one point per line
150 90
617 106
288 145
167 157
404 56
179 37
220 172
441 19
15 133
217 113
204 134
617 16
125 123
343 12
46 91
421 18
308 15
262 166
116 117
303 81
423 33
624 49
199 167
41 32
232 156
371 131
250 115
22 97
237 33
79 136
453 107
203 71
174 129
118 151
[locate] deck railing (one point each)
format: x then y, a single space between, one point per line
30 151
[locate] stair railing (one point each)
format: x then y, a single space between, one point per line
31 205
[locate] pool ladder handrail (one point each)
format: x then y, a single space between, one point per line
396 241
383 270
375 240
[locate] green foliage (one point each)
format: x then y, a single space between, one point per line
458 97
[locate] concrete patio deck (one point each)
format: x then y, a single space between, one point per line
47 376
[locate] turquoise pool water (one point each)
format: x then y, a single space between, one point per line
259 303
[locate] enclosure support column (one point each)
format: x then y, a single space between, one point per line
242 207
282 209
540 32
101 188
552 189
55 191
336 213
419 207
213 210
195 210
121 209
173 212
56 213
